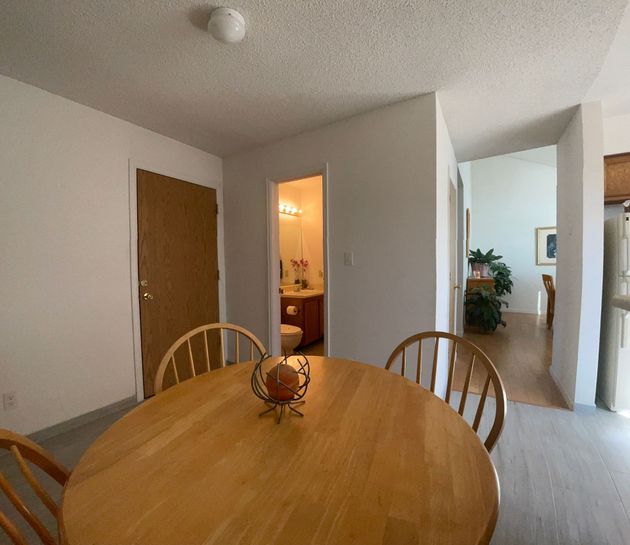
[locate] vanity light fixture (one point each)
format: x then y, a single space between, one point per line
289 210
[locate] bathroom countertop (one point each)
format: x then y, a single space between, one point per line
303 293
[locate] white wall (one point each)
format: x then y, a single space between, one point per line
66 343
617 134
382 207
446 178
465 171
580 255
446 173
461 251
510 198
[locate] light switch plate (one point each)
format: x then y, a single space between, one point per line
9 401
348 259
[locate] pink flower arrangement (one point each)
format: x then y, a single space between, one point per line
299 264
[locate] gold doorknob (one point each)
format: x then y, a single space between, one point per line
147 296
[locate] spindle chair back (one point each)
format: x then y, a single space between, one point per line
25 452
454 346
256 350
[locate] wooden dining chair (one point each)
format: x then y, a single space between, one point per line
24 451
457 348
201 332
551 298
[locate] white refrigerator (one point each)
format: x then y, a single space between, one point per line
613 379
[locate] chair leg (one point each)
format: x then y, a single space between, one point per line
548 314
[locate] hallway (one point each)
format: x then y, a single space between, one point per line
521 353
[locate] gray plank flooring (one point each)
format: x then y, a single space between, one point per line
67 447
565 476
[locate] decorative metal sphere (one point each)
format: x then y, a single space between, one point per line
281 382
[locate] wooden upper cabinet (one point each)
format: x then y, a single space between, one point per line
616 178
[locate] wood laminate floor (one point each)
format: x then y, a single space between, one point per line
565 476
521 353
314 349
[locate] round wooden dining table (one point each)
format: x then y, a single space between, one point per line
376 459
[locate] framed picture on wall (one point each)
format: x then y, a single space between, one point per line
546 245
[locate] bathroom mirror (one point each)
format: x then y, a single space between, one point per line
290 228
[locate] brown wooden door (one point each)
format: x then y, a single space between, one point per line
177 264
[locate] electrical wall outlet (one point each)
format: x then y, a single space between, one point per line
9 401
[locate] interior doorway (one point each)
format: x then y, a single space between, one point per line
512 230
298 279
177 265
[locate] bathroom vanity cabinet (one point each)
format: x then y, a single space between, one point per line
309 317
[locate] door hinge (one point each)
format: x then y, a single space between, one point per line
218 274
217 209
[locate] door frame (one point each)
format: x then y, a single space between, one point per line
134 166
273 252
454 285
461 258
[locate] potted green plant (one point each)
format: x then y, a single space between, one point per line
502 275
483 309
480 261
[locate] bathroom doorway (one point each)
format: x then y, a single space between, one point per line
298 266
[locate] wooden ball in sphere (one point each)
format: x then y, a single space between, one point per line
280 380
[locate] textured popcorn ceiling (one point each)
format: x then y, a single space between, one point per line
507 72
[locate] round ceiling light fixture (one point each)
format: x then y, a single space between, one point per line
227 25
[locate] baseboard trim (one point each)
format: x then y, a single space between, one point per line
584 408
569 402
509 310
81 420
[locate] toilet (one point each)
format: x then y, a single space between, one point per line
290 337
